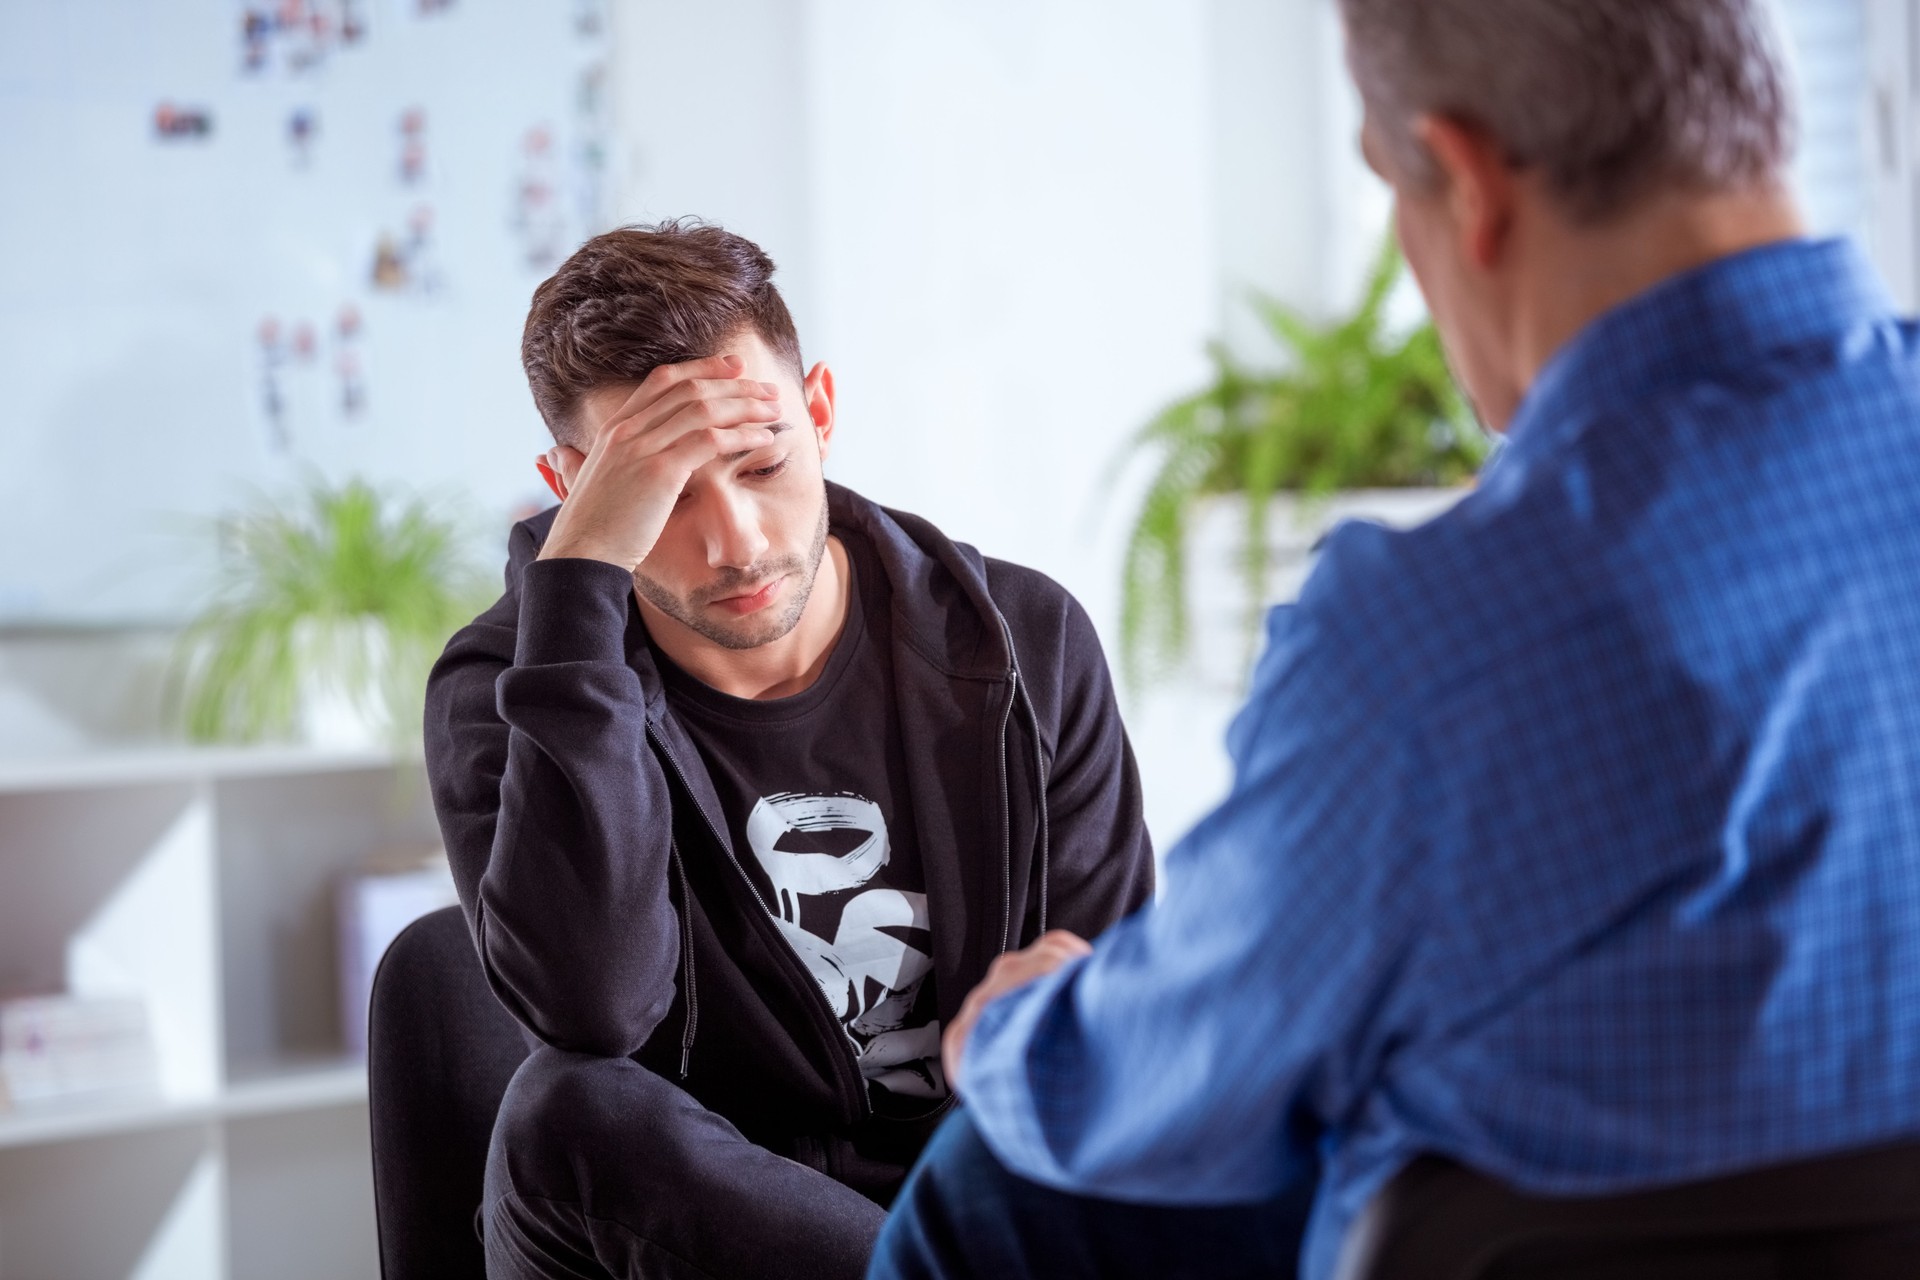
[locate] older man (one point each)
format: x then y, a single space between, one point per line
1576 835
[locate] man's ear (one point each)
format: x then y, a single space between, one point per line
819 389
1480 185
552 477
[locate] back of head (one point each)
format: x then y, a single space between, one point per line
631 300
1610 100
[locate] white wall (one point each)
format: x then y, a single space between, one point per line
1014 257
998 222
1010 225
709 120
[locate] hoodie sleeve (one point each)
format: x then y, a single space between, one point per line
556 815
1100 863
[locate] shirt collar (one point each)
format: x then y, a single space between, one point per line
1728 314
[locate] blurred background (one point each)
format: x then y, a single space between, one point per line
263 267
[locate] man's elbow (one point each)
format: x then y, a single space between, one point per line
605 1024
590 1010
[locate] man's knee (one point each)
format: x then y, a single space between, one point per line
599 1165
566 1116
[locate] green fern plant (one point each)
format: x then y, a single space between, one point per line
1354 407
346 585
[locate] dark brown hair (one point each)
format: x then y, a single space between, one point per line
631 300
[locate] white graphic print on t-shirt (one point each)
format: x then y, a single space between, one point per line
870 976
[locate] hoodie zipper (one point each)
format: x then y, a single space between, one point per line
853 1094
1017 692
1046 825
1006 816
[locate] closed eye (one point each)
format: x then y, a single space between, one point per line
770 471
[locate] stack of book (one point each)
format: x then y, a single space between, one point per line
64 1047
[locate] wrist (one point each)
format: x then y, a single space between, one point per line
572 609
586 549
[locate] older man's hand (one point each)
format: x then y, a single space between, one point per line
1008 972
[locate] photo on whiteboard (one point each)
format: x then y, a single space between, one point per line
303 126
181 124
538 221
306 378
296 37
592 127
349 368
407 263
412 162
273 399
426 8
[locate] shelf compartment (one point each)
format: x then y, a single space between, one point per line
263 1091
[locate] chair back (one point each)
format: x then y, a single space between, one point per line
1854 1216
440 1051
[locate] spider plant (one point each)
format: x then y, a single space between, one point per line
1354 406
345 586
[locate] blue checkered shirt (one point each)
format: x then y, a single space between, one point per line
1574 835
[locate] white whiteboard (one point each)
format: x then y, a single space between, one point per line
141 274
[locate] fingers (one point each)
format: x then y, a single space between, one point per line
1008 972
702 430
664 376
1047 953
953 1050
666 379
697 446
566 461
741 399
689 436
1050 949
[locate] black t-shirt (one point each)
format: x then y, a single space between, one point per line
815 792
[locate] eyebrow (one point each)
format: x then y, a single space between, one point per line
775 427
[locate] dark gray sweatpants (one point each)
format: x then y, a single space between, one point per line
601 1168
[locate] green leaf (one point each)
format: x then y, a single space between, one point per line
304 583
1353 408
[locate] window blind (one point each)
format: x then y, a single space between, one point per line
1827 43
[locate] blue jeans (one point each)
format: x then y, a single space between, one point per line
962 1213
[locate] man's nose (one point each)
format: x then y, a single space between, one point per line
734 539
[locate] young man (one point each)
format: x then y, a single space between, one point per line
1575 836
745 781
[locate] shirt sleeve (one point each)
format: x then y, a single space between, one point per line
1198 1053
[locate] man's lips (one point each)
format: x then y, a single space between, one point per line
753 600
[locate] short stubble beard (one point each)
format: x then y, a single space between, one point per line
751 633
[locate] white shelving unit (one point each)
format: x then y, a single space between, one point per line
201 880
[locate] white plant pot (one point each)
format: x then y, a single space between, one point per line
342 702
1216 582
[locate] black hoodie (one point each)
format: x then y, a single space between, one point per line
606 899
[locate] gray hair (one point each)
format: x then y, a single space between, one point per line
1608 99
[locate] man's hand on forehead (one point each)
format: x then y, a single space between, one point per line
773 429
616 496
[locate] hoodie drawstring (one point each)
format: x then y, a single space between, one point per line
686 962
